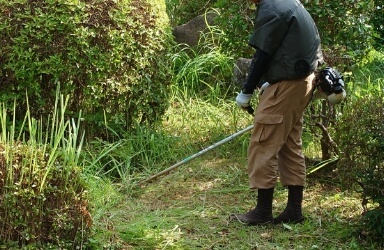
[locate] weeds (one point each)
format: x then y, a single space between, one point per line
202 75
43 198
189 207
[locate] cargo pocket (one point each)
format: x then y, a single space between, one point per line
267 125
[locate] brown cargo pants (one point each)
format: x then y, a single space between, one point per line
275 147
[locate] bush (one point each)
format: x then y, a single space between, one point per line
343 25
374 222
377 22
43 198
236 20
360 136
111 57
182 11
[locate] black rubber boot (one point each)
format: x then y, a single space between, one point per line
292 212
262 213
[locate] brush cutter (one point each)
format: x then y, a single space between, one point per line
199 153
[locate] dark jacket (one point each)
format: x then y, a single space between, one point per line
287 32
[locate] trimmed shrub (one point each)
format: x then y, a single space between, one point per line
111 57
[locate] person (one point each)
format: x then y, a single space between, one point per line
288 52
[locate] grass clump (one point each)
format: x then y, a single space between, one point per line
43 195
202 73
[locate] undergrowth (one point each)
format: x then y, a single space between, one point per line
43 196
188 207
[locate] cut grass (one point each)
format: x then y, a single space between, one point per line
189 209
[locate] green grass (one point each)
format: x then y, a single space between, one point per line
42 197
189 207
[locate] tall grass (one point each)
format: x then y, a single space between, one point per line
202 112
368 80
43 194
141 152
205 75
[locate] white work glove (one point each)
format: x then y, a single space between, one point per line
243 100
263 88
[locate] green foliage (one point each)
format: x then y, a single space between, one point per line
377 21
110 57
374 221
43 197
345 30
205 74
144 150
182 11
201 78
360 136
236 21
